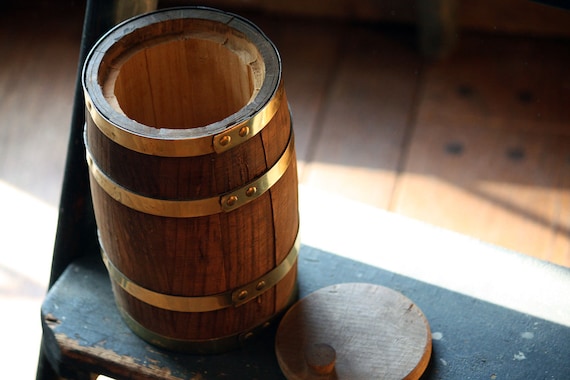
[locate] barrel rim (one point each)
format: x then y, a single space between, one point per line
270 86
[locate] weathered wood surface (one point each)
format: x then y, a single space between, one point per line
365 117
471 337
354 331
476 143
489 152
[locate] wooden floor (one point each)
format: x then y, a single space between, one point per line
478 142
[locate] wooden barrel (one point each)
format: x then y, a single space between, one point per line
193 176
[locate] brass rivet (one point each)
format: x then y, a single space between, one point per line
89 106
251 191
248 335
243 131
232 200
260 285
242 295
225 140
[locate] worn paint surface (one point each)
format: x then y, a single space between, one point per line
473 338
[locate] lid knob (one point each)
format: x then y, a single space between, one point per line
320 358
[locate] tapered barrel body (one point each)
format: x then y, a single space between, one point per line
193 176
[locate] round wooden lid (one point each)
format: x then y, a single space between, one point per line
353 331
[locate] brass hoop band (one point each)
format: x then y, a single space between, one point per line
205 346
195 207
235 297
187 147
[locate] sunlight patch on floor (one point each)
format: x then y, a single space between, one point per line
28 230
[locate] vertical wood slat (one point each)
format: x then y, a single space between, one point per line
514 88
364 122
489 154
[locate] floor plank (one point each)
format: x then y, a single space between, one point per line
490 153
509 82
37 77
365 118
309 53
476 182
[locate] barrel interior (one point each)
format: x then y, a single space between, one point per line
191 81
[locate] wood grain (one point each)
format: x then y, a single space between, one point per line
489 153
365 118
364 331
309 51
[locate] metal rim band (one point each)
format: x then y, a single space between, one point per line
195 207
205 346
214 302
216 137
190 147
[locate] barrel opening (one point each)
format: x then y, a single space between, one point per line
192 80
